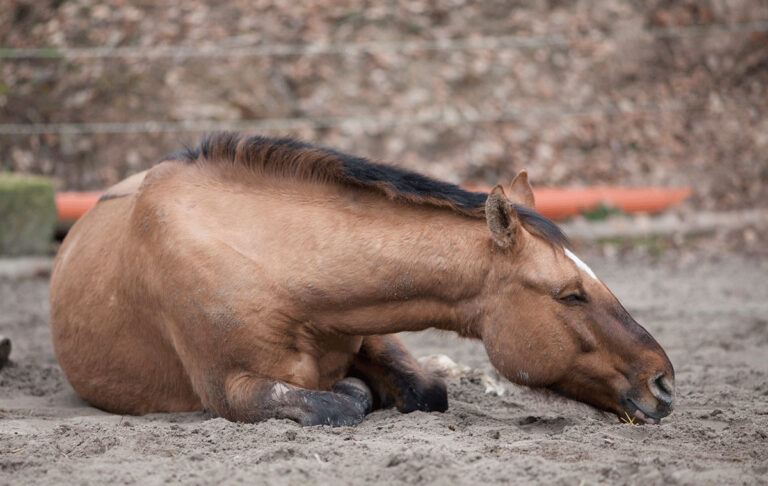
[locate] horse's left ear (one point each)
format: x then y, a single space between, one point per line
501 218
520 191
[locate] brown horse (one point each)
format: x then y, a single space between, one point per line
263 278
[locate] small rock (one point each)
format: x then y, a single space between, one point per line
396 460
528 420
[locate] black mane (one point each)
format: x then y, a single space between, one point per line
291 157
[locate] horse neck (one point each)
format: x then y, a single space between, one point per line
354 262
410 268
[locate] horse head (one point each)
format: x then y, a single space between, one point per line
550 322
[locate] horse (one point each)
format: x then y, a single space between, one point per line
262 278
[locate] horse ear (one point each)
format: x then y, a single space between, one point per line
520 191
501 217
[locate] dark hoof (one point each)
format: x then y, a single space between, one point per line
428 396
334 418
347 405
5 350
357 390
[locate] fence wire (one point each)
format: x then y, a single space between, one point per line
460 44
447 116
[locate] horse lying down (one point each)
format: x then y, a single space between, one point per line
266 278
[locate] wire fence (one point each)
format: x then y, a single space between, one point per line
444 116
457 44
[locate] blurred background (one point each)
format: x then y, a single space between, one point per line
582 93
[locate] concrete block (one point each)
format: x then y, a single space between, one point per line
27 214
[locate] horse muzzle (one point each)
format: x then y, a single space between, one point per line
651 405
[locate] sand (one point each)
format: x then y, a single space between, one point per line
711 315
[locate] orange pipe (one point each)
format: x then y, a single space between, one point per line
72 205
555 203
559 203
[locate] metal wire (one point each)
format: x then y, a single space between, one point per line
448 116
462 44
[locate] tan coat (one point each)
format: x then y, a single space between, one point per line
257 290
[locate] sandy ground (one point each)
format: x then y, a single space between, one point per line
711 315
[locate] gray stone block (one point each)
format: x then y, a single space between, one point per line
27 214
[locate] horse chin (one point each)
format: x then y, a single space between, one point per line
626 410
631 412
639 415
634 412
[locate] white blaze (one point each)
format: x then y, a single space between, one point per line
580 264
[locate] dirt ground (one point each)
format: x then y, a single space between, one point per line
710 313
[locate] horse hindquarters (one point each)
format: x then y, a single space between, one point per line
107 342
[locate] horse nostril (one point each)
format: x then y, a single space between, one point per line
661 388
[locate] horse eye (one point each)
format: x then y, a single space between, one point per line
574 298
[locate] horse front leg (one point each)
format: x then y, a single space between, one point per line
252 399
396 378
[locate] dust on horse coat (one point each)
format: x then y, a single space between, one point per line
264 278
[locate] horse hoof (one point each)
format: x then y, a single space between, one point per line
336 419
356 389
429 396
5 350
